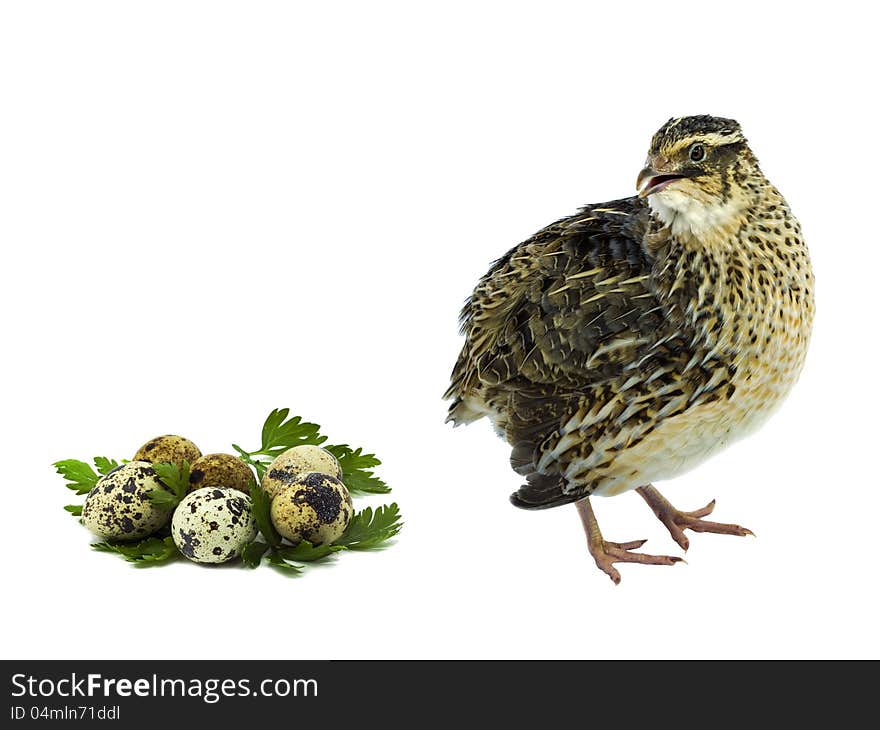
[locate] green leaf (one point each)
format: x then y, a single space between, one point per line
252 554
356 470
258 466
262 514
176 479
281 433
75 509
368 529
276 561
81 478
305 552
105 465
151 551
353 458
242 454
163 500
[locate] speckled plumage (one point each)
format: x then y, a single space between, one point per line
632 340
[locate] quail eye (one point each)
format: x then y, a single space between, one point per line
697 153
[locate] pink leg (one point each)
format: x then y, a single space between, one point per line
677 521
607 553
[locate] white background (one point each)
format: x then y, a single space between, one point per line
209 210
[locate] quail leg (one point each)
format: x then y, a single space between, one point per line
607 553
677 521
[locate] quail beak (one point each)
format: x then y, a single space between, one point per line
652 181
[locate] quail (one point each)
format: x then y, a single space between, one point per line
629 342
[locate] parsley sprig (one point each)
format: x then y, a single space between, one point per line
152 551
80 476
281 431
367 530
175 479
357 470
261 505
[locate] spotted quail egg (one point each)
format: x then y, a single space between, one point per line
170 448
213 524
299 460
220 470
315 507
118 508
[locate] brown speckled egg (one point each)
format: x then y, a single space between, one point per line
295 462
171 449
314 507
220 470
213 524
118 508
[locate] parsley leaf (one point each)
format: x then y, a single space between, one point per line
305 552
105 465
281 433
163 500
261 510
356 469
81 478
252 554
258 465
176 479
75 509
368 529
276 561
151 551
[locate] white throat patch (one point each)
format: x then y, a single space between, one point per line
686 215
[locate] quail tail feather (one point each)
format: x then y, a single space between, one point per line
542 491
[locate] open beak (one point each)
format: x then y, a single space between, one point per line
651 181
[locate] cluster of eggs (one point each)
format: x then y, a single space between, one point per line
214 521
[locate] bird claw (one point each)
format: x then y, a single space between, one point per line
607 553
677 521
702 512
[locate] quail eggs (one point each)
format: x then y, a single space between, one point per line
170 448
220 470
213 524
296 461
315 507
118 507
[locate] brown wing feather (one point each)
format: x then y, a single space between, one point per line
554 329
